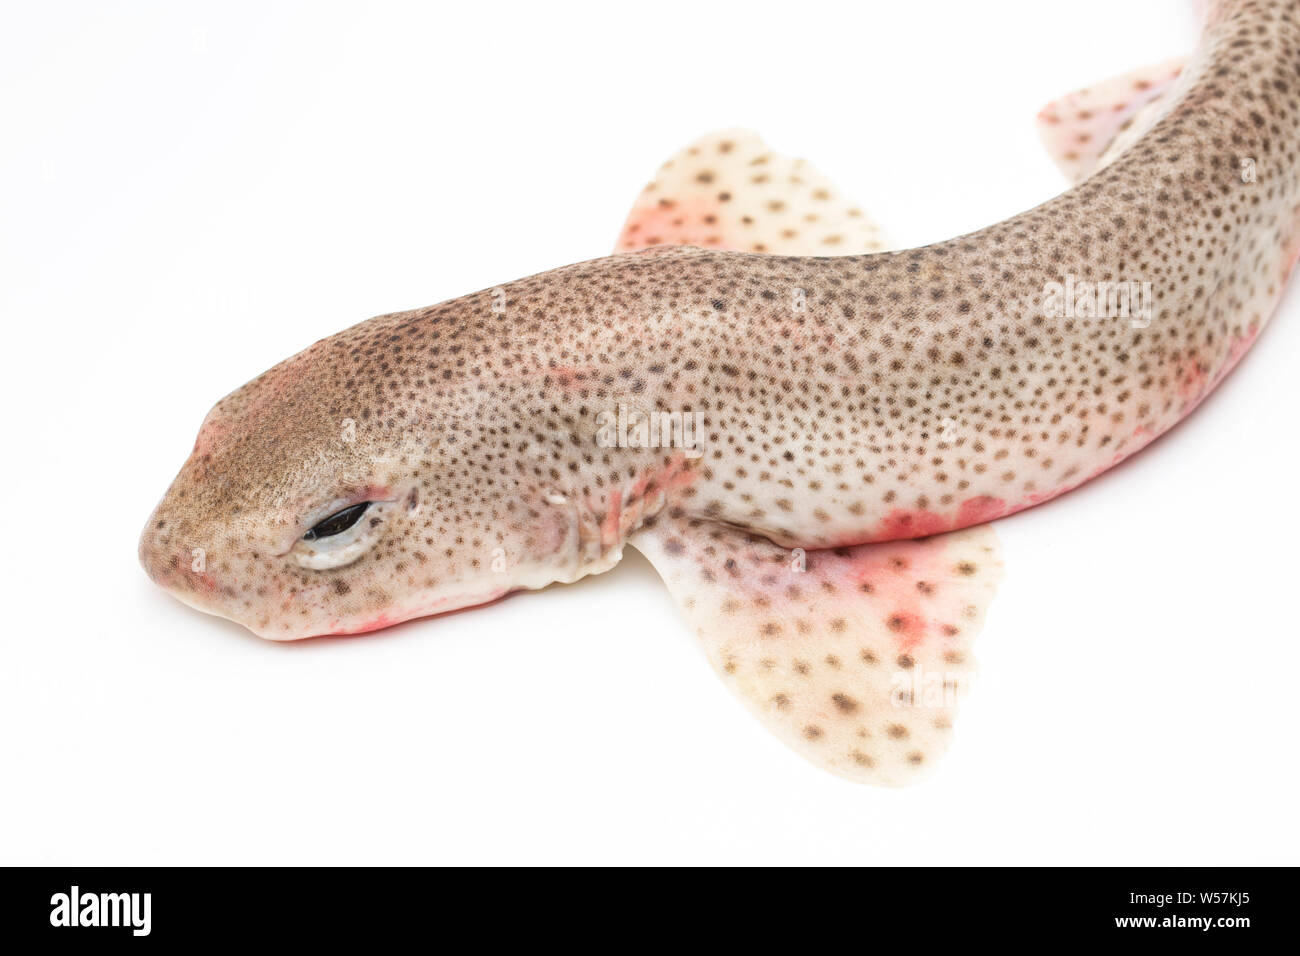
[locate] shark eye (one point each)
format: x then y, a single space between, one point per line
337 523
343 536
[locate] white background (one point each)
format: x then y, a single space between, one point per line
188 197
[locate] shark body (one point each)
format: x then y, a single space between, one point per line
805 434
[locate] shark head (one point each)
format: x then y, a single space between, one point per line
340 492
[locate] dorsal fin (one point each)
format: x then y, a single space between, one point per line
728 190
1084 130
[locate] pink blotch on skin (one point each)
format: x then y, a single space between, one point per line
208 582
893 585
610 526
276 382
208 435
909 627
902 523
624 508
682 223
441 606
979 510
1191 377
1240 345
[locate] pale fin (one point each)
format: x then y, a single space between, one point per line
1083 131
857 660
960 568
728 190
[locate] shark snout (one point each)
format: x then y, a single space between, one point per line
159 562
175 566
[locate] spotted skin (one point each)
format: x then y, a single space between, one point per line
910 393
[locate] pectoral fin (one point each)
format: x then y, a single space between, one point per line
855 657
